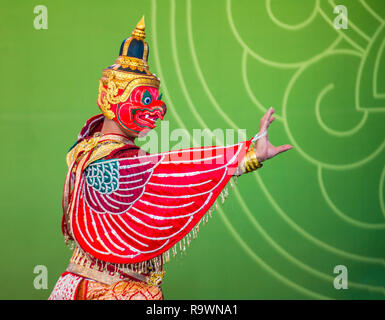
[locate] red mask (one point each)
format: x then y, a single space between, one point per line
139 113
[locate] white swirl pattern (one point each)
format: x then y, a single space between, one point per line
352 52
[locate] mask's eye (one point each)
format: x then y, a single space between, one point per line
147 98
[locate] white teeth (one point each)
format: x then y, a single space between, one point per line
152 119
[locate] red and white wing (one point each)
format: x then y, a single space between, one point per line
133 209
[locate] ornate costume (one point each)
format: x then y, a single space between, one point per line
127 211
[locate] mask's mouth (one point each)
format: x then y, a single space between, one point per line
145 118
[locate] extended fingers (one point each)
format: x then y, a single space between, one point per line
267 119
283 148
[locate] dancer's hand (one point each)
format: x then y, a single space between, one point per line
264 150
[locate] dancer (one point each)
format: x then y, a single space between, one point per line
126 211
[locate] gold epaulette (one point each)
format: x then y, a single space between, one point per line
100 145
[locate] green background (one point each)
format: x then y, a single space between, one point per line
222 64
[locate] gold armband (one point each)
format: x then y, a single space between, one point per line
249 163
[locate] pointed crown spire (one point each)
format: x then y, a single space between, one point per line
139 33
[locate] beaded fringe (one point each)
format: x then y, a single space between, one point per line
155 264
82 258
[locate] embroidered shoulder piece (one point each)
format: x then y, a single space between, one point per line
130 210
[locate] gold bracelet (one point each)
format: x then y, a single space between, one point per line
249 162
